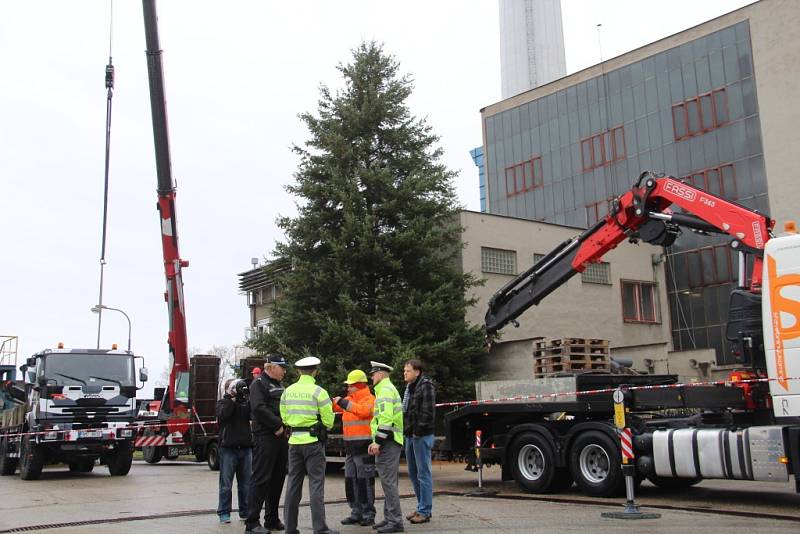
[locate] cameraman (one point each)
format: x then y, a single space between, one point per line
235 451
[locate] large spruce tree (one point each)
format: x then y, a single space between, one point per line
375 244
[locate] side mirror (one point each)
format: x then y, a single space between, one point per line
30 362
143 374
31 376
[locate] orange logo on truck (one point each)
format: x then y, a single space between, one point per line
780 304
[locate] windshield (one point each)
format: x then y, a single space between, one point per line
89 369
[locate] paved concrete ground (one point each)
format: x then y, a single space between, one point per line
469 514
188 492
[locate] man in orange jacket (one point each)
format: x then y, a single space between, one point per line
359 466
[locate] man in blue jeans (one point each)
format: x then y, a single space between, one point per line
419 412
235 448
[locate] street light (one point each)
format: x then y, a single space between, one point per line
96 309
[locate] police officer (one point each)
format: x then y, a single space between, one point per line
270 449
306 410
387 442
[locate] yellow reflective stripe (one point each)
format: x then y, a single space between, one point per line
324 403
299 403
300 411
387 399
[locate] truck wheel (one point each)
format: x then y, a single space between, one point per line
82 465
31 460
8 466
670 483
119 461
532 462
595 464
212 456
152 455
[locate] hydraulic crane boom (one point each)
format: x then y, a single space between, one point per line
642 213
166 209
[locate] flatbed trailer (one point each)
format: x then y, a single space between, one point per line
681 434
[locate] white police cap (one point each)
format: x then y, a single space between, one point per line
308 361
378 366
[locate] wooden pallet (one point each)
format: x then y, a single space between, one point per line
570 355
564 341
570 358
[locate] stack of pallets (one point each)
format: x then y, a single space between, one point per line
569 355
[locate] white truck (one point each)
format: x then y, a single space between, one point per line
74 406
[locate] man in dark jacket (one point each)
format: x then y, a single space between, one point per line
419 412
233 415
270 448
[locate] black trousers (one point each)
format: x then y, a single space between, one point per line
270 454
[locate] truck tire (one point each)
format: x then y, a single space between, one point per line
532 462
152 455
594 460
82 465
212 456
119 461
670 483
31 460
8 466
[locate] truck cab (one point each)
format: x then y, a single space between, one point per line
79 407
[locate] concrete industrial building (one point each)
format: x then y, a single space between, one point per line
716 104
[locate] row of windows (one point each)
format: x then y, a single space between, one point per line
701 114
639 299
720 180
524 176
603 148
264 295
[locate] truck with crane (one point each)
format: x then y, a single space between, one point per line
185 423
73 407
744 428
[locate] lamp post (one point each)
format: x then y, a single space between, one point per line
96 309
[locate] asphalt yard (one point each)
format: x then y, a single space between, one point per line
181 497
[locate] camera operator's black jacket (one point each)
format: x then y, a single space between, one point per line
234 423
265 404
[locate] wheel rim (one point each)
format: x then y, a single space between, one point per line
595 463
530 461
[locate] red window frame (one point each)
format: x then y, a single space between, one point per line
603 148
705 178
593 211
524 176
717 256
638 301
716 115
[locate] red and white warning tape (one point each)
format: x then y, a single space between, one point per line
539 396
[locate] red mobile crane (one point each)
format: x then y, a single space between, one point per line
741 430
191 392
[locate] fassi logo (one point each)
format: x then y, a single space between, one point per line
678 190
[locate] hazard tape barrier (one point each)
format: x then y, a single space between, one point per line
141 426
538 396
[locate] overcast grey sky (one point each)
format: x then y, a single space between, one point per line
237 74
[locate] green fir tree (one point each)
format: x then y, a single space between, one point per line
374 248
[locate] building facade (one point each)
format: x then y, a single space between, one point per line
715 105
622 299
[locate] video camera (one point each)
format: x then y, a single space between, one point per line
242 391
